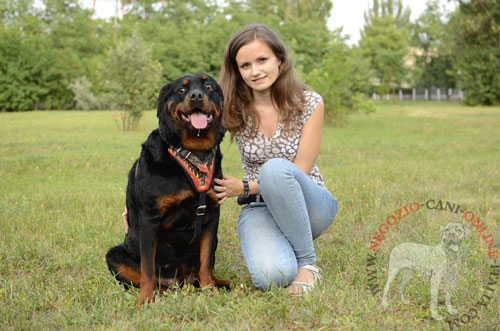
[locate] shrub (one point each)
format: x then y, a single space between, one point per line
342 79
478 75
85 97
131 77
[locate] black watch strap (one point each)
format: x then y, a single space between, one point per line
246 189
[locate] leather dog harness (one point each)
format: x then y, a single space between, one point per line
200 174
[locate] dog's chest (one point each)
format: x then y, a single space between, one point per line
179 210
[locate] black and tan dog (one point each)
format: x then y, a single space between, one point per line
173 212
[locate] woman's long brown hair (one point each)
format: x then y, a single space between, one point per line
287 92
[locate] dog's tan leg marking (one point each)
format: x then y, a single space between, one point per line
148 278
206 273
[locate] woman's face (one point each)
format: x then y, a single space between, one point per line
258 65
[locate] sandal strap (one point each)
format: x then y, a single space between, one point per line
314 270
306 287
296 283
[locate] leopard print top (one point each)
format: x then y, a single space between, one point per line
256 150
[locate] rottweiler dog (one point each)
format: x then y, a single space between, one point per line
173 212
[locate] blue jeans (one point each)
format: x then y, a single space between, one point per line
276 237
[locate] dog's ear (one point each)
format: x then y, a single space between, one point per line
220 131
154 146
221 94
165 92
167 129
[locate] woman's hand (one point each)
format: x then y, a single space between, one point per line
227 187
125 219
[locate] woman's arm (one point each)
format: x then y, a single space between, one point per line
310 139
309 144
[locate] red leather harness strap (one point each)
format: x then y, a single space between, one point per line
200 174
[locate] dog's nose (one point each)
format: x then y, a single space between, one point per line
196 95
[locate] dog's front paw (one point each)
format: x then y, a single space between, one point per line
404 300
436 316
452 310
145 296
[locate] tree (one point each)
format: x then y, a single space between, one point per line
132 78
33 75
76 37
180 11
309 41
384 42
45 48
301 24
400 15
317 10
474 39
343 80
432 58
53 55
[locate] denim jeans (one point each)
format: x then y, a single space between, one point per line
276 236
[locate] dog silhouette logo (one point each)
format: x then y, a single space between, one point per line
438 263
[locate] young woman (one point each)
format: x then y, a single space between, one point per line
277 124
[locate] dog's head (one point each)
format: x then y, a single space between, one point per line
453 234
190 112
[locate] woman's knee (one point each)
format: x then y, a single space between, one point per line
265 277
272 173
273 167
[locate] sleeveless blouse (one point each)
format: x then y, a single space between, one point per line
256 150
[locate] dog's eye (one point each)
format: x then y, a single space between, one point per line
209 87
182 90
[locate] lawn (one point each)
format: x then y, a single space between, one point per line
62 190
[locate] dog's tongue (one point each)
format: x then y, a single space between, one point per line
199 120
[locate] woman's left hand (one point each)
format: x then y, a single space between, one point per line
227 187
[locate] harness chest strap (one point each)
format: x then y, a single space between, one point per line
200 174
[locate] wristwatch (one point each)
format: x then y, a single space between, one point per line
246 189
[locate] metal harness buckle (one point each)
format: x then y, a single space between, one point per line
200 211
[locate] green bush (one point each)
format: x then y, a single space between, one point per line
132 79
32 74
478 75
86 99
342 79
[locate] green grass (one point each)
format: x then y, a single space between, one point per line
62 190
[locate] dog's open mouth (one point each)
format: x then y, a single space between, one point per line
453 244
198 119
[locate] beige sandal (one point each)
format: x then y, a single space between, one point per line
308 287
